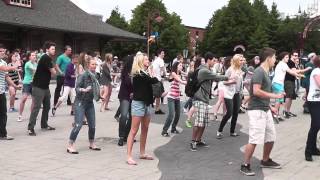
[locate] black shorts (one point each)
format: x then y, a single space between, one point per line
158 89
289 88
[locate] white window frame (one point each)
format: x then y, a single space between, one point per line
19 3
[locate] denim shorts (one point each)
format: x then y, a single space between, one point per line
139 108
27 89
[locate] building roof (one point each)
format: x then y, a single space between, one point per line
60 15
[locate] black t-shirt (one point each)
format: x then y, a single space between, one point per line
290 77
42 76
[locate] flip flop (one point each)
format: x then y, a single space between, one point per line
72 152
131 162
146 157
95 148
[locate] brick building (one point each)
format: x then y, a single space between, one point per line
196 36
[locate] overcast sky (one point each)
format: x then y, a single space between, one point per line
192 12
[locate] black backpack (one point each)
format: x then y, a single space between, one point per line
192 84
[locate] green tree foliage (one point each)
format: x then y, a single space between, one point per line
254 26
173 36
118 48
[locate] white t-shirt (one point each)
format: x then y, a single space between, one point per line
157 65
99 64
280 73
314 89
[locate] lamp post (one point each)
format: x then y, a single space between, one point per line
151 16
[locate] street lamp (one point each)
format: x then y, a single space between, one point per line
151 16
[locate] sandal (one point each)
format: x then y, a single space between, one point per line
95 148
146 157
131 162
72 152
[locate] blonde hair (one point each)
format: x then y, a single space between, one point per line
235 62
137 65
108 58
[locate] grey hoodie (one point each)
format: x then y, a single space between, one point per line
207 77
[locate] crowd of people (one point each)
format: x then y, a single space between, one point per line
259 87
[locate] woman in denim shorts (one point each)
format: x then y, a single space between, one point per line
140 108
29 70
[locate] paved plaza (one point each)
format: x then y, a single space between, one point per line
45 156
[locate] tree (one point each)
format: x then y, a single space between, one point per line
232 26
117 20
172 34
273 26
118 48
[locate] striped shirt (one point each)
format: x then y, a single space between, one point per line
2 77
14 75
174 92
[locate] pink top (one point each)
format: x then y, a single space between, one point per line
174 92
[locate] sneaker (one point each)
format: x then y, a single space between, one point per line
286 115
291 114
219 135
53 111
185 110
188 123
175 131
234 134
121 141
31 132
193 146
7 138
270 164
159 112
246 170
165 134
19 119
202 144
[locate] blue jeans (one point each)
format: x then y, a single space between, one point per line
83 109
174 110
125 118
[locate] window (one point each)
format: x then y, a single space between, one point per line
23 3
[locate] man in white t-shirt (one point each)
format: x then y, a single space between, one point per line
278 80
158 70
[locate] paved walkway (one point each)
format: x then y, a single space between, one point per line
45 157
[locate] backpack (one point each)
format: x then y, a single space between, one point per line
193 84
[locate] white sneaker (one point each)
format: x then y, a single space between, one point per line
219 135
19 119
185 110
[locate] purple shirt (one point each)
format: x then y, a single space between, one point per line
70 76
125 88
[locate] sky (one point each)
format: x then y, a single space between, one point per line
192 12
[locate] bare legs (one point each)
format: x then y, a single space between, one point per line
145 121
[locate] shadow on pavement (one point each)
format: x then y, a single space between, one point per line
220 161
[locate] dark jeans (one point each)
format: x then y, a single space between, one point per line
188 103
84 109
3 115
174 110
315 126
125 118
60 81
40 96
118 113
233 106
